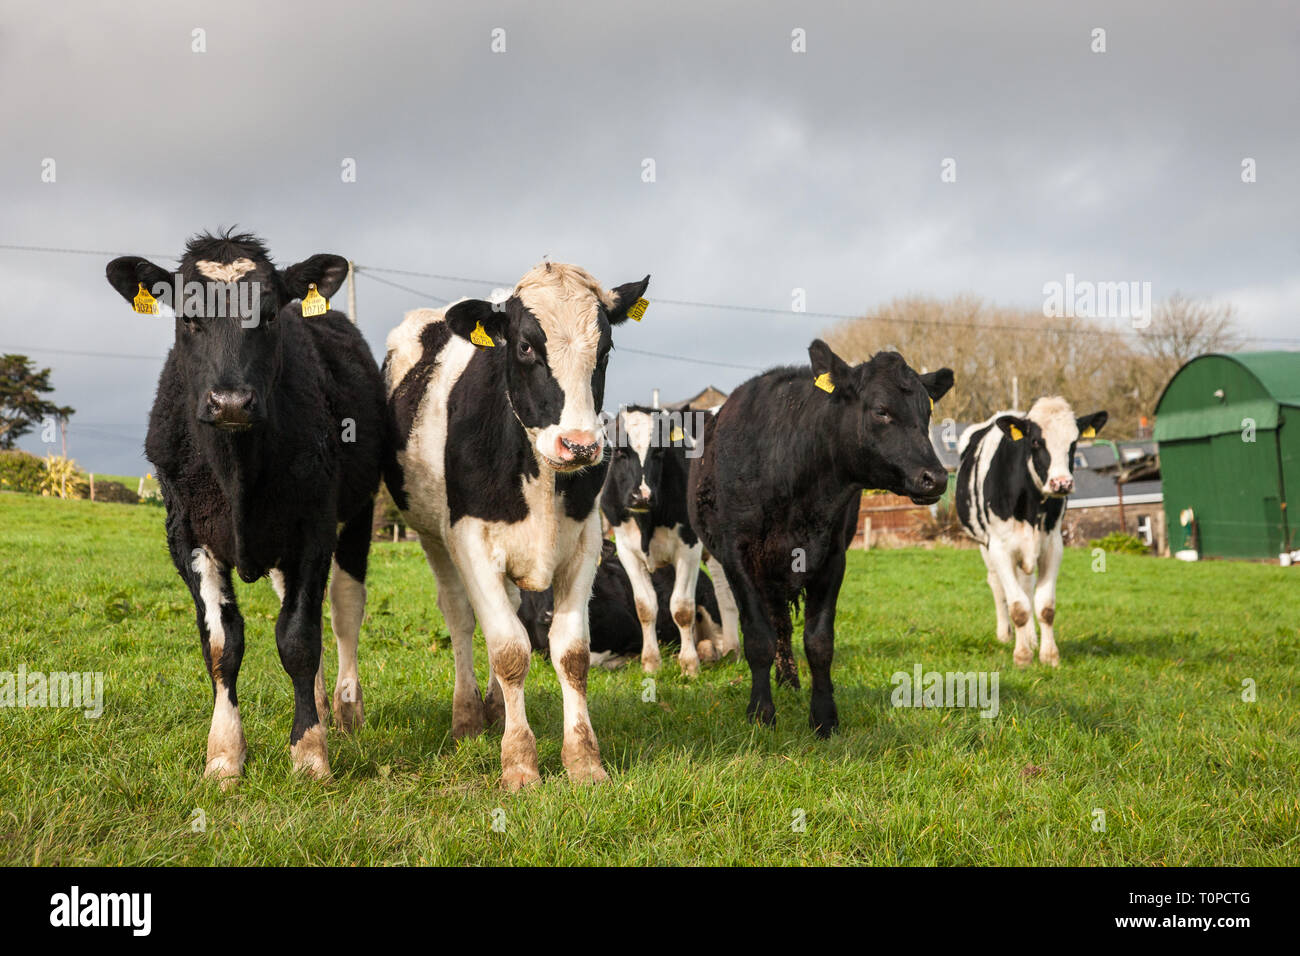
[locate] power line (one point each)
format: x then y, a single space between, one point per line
687 303
116 355
685 358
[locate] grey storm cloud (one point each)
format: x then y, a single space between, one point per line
774 170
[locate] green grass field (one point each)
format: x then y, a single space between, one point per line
1144 720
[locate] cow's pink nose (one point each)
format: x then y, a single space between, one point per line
1061 485
578 447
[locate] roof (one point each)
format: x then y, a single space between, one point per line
1094 487
1212 394
711 397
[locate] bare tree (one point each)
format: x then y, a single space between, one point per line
1183 328
987 346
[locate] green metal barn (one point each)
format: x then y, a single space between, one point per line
1228 428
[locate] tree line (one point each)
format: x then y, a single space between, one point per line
1085 360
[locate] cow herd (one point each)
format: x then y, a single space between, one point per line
273 427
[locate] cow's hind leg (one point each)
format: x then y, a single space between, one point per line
298 639
467 718
347 610
1004 632
221 630
760 646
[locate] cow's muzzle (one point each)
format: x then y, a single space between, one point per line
928 486
577 449
230 409
1061 485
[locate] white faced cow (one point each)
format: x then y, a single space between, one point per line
499 460
1016 471
644 500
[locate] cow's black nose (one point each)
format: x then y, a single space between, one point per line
232 407
932 482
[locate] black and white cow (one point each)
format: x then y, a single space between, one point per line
499 461
266 435
776 492
644 501
1015 474
615 629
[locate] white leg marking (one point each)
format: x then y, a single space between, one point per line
643 592
571 655
227 747
727 608
347 611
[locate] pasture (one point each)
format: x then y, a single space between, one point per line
1144 721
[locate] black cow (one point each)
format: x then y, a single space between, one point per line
775 497
644 501
266 436
615 629
499 459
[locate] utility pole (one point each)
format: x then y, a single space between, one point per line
352 293
1015 392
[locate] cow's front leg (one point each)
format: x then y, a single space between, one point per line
571 656
1049 565
819 645
647 604
298 639
221 630
1018 604
686 571
509 651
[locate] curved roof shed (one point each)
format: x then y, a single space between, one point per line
1228 452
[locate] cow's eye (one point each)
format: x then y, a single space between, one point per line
1036 443
525 350
882 413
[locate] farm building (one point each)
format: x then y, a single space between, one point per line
1117 487
1228 454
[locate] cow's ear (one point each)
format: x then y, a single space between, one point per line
1089 425
830 372
625 297
478 321
937 383
127 273
1014 427
324 271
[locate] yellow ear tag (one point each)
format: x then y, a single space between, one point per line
677 435
638 309
932 406
823 381
1088 432
480 337
313 303
144 303
1016 433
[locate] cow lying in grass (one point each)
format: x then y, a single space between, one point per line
266 436
500 456
775 498
616 632
1015 475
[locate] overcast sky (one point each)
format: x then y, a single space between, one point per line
773 170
